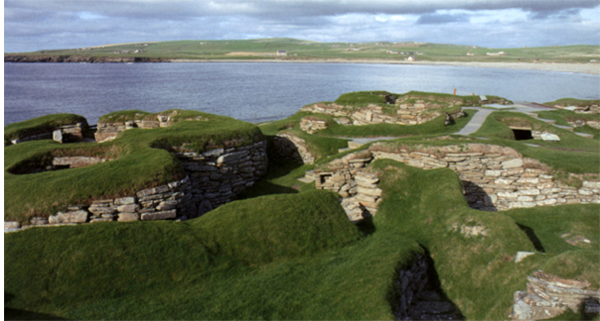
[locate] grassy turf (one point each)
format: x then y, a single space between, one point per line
141 159
287 257
565 102
265 49
39 125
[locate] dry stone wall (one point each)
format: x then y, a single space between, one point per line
312 124
583 122
107 131
496 178
548 296
213 178
62 134
357 187
404 113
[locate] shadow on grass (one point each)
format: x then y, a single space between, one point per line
532 237
17 314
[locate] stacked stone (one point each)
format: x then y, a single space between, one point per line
548 296
103 211
583 122
328 109
218 175
311 124
358 188
110 130
293 148
497 179
32 137
74 214
69 133
413 114
76 161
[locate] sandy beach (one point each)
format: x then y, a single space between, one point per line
586 68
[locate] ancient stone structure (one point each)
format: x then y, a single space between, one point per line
312 124
62 134
548 296
357 187
76 161
293 148
107 131
493 177
214 177
583 122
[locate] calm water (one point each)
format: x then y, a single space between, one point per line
255 91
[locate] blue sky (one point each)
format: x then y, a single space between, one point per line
31 25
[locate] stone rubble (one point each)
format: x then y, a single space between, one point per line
312 124
548 296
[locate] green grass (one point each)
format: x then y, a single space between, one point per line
39 125
574 154
565 102
142 159
290 256
265 49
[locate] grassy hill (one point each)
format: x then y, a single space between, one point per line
284 250
266 49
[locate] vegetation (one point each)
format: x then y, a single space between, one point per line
565 102
40 125
266 49
140 158
284 250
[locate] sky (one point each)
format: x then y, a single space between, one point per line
31 25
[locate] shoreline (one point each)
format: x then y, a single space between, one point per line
584 68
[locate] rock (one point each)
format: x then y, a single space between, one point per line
513 163
128 217
521 255
125 200
152 191
129 208
57 136
11 225
163 215
166 205
549 137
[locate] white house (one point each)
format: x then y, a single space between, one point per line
281 53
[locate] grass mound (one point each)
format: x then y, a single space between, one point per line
565 102
291 257
142 158
39 125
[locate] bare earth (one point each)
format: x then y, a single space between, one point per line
586 68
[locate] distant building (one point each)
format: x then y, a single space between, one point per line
499 53
411 58
281 53
353 49
392 52
470 54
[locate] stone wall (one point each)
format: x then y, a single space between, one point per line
583 122
76 161
63 134
214 177
494 177
403 114
107 131
356 186
293 148
312 124
548 296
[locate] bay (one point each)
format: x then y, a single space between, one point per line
256 91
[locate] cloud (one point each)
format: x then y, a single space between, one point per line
435 18
52 24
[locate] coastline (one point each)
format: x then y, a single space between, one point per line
585 68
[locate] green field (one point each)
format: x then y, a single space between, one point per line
284 250
266 49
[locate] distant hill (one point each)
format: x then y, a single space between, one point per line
295 49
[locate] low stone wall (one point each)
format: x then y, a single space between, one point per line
293 148
548 296
214 177
494 177
107 131
405 113
218 175
62 134
581 122
312 124
76 161
358 188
